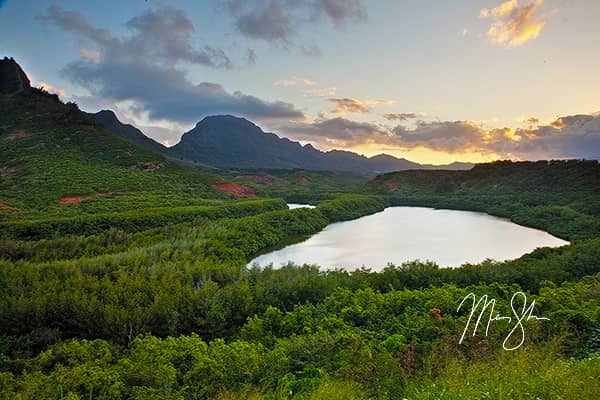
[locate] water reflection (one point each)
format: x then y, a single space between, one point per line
399 234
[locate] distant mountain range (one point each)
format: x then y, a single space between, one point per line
231 142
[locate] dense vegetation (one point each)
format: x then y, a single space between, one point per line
147 294
50 151
562 197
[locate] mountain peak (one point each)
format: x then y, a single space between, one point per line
110 113
12 77
228 141
384 156
111 122
225 119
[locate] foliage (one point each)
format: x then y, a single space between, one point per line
141 290
562 197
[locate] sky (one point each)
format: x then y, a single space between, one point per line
430 81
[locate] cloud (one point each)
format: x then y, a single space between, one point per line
148 67
295 80
576 136
513 24
162 35
403 116
53 89
379 100
530 120
279 21
90 55
337 131
448 136
348 106
345 106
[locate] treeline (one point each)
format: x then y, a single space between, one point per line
195 280
353 344
132 221
47 240
561 197
561 221
348 207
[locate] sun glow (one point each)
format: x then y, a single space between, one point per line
424 155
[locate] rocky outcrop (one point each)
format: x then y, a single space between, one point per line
12 78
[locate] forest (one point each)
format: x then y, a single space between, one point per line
141 289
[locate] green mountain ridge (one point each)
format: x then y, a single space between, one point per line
52 154
111 123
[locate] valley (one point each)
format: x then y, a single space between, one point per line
124 268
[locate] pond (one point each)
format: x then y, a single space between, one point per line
399 234
293 206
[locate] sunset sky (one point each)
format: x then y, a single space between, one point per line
430 81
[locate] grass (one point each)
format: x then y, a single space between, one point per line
535 372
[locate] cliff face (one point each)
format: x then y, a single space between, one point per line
12 77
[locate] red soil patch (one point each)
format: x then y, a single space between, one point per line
19 134
390 184
266 180
302 180
72 199
8 172
5 207
235 189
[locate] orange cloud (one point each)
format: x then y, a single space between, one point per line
53 89
348 106
513 25
573 136
379 100
354 106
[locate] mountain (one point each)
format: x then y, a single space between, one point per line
109 120
232 142
12 77
58 160
227 141
223 141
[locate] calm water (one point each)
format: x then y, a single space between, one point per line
399 234
292 206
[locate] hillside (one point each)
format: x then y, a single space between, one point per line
111 123
572 182
57 159
57 162
562 197
227 141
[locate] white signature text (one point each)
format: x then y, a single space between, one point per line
519 314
